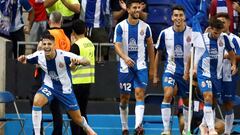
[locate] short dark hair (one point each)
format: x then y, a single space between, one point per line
48 36
79 27
129 2
216 23
178 7
222 14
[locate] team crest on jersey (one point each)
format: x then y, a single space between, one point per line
61 65
142 32
203 84
188 39
220 43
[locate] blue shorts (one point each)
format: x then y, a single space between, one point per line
67 100
170 80
216 87
133 79
204 84
229 89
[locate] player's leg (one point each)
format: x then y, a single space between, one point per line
41 98
140 83
183 91
168 83
228 96
205 86
81 121
125 83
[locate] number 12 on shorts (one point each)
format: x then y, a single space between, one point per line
126 86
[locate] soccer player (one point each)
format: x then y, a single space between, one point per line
209 72
130 39
229 80
56 65
177 42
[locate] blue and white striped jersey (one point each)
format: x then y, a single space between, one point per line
235 44
133 39
178 47
216 48
56 73
94 12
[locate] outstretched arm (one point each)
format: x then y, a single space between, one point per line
22 59
150 49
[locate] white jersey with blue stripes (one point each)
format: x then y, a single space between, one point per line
216 48
178 47
56 73
133 40
235 44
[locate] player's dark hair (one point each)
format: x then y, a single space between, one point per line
216 23
48 36
79 27
129 2
178 7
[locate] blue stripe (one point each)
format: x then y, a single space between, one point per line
90 12
133 37
165 105
52 70
179 42
37 108
236 45
213 61
229 112
67 62
139 103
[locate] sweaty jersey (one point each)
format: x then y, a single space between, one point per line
235 44
56 73
216 48
133 39
178 46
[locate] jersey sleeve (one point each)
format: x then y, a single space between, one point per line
68 56
33 58
148 32
161 41
227 43
236 43
118 34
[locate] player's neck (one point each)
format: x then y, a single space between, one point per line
179 28
132 21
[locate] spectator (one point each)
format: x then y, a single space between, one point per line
40 20
132 39
12 25
196 8
97 22
69 10
83 77
227 6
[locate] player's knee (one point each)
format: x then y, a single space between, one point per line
39 100
124 98
208 97
123 106
139 95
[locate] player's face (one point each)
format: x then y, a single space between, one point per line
178 18
48 47
226 23
215 33
134 10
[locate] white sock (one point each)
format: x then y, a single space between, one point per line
166 115
124 116
36 119
208 116
139 112
185 116
229 118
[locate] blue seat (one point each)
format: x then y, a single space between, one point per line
7 97
161 2
156 29
159 14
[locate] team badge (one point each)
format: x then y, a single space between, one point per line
61 65
142 32
203 84
220 43
188 39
